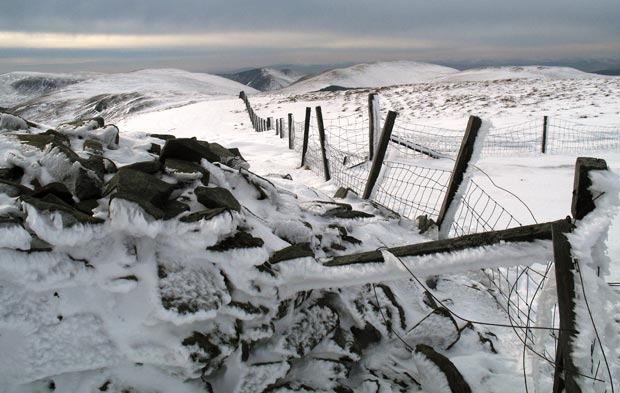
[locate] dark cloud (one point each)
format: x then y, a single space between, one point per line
446 26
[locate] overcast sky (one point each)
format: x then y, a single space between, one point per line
206 35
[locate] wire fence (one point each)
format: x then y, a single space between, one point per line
532 137
526 293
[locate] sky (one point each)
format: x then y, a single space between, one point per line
207 35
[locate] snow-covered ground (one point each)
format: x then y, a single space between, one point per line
113 333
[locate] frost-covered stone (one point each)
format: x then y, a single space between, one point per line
186 170
141 188
241 239
192 290
203 215
259 376
217 197
310 328
188 149
302 250
51 204
42 140
13 173
93 146
10 122
94 128
319 374
13 189
55 188
151 167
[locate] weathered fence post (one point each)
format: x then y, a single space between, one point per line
269 123
277 126
564 379
281 128
377 161
321 127
583 200
304 148
544 135
374 123
291 132
458 173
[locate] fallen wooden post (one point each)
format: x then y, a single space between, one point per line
527 233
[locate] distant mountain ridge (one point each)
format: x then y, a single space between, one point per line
266 79
372 75
43 97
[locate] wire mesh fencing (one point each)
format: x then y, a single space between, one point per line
526 293
411 190
532 137
566 136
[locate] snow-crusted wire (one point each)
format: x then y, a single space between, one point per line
598 338
513 326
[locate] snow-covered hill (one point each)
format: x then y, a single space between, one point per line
265 79
525 72
17 87
115 95
372 75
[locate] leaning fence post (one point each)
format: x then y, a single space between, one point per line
281 128
304 149
319 119
291 132
377 161
544 135
458 173
564 379
374 123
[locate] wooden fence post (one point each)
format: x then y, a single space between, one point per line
281 128
269 123
583 200
564 379
304 148
277 126
291 132
319 119
544 135
456 178
377 161
374 120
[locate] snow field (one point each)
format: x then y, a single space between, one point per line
115 330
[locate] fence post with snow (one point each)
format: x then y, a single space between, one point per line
304 149
377 162
374 124
323 142
543 147
448 207
291 132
